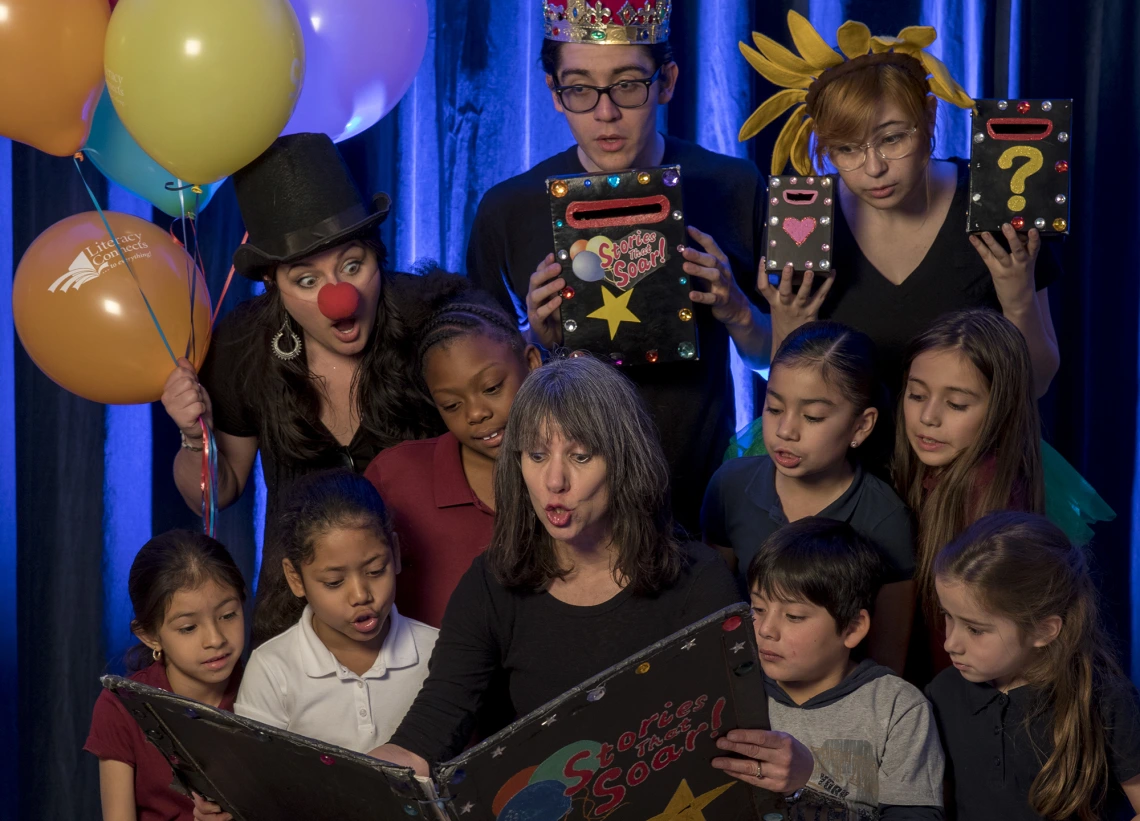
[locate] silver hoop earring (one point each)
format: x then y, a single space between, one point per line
293 353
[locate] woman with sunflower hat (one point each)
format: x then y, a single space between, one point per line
902 256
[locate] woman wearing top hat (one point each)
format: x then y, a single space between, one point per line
318 371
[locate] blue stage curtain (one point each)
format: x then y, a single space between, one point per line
81 486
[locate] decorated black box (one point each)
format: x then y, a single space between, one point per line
627 295
799 225
1019 165
636 739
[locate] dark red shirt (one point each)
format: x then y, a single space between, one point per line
441 523
115 736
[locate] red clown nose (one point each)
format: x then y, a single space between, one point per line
338 301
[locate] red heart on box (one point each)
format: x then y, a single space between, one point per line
799 229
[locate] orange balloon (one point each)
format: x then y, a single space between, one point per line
51 70
81 317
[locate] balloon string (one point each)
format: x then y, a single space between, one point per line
209 482
126 261
226 287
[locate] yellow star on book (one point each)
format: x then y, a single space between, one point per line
683 806
615 310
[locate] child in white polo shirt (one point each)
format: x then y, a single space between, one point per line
350 667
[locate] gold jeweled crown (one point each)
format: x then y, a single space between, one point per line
607 22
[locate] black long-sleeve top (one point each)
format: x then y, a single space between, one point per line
542 646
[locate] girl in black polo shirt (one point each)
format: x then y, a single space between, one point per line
1037 719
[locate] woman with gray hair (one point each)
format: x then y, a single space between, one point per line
583 569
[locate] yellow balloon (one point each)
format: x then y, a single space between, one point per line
206 86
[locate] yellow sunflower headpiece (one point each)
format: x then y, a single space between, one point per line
803 77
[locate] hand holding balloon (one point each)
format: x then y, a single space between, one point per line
185 400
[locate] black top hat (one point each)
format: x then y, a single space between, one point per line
298 199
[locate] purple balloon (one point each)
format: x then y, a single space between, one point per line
360 58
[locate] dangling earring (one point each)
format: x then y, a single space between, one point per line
295 351
156 654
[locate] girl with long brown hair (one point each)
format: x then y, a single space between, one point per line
967 443
1037 719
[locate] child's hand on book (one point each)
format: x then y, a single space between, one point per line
398 755
207 811
774 761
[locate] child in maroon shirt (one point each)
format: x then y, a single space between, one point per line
187 596
473 360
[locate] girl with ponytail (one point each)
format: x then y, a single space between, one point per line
1037 718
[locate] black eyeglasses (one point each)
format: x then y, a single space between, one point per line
579 99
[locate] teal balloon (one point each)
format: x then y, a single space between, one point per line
120 159
551 769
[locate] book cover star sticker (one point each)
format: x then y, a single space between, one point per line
615 310
684 806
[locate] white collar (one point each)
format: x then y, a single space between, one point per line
399 650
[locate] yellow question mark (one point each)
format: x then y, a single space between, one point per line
1033 162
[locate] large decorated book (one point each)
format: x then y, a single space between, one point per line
634 742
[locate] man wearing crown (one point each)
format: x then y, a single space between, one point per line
609 68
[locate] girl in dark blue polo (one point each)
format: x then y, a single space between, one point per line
1037 719
819 408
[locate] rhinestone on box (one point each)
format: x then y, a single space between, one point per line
687 350
1039 223
643 178
825 248
570 325
825 220
559 189
685 314
773 263
976 197
1046 106
774 182
1060 199
564 254
1003 105
979 137
824 264
671 177
825 182
677 215
1059 224
1018 223
1063 137
773 220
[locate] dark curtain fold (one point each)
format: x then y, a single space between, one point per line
478 113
